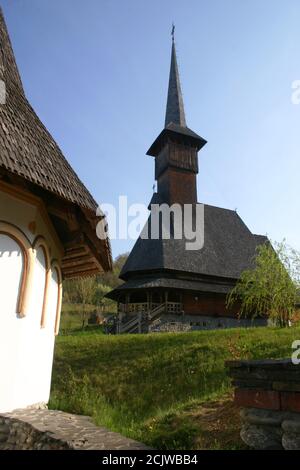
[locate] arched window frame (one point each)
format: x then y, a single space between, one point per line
56 266
20 238
40 242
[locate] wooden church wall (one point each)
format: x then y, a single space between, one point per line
208 304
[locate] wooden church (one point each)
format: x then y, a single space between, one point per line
47 234
167 287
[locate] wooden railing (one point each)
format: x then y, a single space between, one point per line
143 316
170 307
131 326
157 310
140 307
174 307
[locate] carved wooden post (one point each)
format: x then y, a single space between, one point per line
140 315
127 299
148 302
166 301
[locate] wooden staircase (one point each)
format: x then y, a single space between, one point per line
140 322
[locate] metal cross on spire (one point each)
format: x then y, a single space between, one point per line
173 32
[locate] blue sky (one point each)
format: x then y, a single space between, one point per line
96 72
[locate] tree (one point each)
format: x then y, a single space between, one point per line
83 290
92 291
111 278
271 287
100 300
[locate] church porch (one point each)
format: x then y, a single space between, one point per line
163 310
146 301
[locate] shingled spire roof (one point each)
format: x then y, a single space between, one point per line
26 147
175 123
175 108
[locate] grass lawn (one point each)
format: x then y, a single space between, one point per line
71 316
168 390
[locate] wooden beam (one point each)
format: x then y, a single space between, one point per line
75 261
84 273
76 251
64 212
76 239
98 247
80 267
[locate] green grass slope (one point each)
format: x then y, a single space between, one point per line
152 387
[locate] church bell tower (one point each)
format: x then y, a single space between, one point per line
176 148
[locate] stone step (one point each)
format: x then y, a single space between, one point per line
43 429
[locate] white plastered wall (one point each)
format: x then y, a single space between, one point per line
26 349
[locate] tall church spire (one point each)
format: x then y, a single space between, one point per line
176 148
175 108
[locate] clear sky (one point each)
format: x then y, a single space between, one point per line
96 72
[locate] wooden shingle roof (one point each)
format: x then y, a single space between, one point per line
175 108
161 281
229 248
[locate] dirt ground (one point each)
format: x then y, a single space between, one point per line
219 425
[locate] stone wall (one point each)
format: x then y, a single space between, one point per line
37 429
268 393
177 323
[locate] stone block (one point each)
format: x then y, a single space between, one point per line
292 425
252 383
3 437
262 417
291 441
262 437
256 398
4 428
290 401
